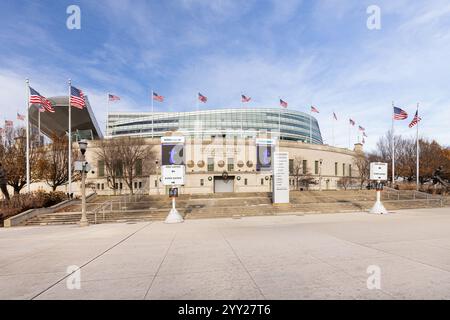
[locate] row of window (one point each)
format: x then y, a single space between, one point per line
303 169
118 168
119 185
202 182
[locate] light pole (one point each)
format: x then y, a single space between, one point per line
83 146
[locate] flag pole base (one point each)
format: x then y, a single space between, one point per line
378 208
174 217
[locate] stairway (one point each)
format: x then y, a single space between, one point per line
150 208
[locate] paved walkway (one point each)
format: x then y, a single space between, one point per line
286 257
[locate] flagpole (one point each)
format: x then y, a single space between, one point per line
69 164
39 125
332 129
279 122
107 114
417 150
28 136
310 125
242 117
349 133
152 111
393 147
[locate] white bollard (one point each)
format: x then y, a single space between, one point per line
378 207
174 216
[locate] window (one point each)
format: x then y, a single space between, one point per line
138 167
121 186
135 185
335 168
101 168
118 168
305 166
210 164
343 169
230 164
140 184
98 185
156 183
316 167
202 182
291 166
262 181
349 170
103 186
245 181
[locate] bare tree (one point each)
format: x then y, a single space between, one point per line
53 165
302 176
345 182
136 157
14 160
362 163
108 153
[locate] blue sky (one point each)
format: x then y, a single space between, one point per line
307 52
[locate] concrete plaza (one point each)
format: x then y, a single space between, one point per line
280 257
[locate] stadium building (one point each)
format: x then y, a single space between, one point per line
220 148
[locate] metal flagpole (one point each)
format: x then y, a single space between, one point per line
39 125
310 125
417 150
107 114
242 117
349 133
152 111
332 129
69 164
28 136
393 147
279 121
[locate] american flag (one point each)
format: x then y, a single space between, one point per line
20 117
352 122
400 114
41 109
77 98
9 124
334 116
284 104
157 97
202 98
36 98
112 97
415 120
362 128
245 99
314 109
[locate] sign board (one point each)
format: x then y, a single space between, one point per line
173 192
281 177
172 139
262 141
173 175
378 171
78 166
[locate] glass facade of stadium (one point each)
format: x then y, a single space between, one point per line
286 124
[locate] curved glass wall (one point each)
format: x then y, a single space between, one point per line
286 124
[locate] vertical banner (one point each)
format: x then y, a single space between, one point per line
281 177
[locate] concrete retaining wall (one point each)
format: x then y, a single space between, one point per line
21 217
